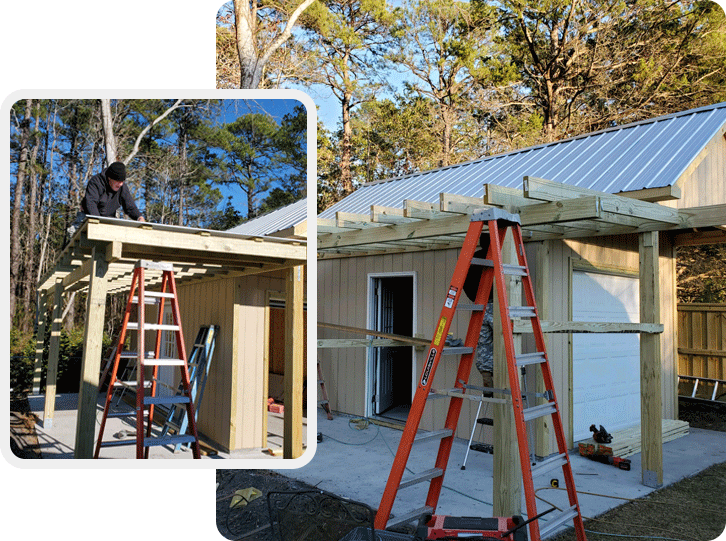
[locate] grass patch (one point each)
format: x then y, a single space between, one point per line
693 509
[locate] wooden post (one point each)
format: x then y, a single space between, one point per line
650 363
92 353
543 297
507 488
42 315
54 349
292 433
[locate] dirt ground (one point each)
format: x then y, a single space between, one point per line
23 440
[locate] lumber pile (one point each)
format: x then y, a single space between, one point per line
627 442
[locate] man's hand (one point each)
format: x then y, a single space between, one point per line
140 219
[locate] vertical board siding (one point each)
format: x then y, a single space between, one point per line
707 184
702 327
342 299
231 416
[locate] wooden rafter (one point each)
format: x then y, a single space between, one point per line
548 210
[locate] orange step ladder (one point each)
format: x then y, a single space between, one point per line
498 222
145 403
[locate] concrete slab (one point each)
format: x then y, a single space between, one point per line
57 439
356 463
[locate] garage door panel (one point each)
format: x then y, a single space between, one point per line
606 367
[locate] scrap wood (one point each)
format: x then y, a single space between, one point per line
627 442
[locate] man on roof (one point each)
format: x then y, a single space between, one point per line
105 193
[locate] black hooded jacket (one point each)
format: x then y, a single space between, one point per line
101 200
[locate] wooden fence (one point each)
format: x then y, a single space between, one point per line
702 340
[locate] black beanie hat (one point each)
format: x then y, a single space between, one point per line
116 171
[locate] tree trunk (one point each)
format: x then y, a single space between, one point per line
17 204
346 175
32 207
252 60
183 138
108 135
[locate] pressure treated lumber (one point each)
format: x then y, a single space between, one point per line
358 330
628 441
53 355
650 362
294 339
40 341
92 353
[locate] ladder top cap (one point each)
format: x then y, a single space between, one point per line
487 215
155 265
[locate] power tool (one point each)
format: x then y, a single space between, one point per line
442 527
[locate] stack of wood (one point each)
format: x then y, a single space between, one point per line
627 442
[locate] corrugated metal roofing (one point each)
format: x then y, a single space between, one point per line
274 221
648 154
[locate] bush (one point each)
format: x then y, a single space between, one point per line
70 355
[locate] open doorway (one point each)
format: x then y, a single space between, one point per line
392 311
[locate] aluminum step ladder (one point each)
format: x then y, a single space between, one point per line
498 222
199 362
146 395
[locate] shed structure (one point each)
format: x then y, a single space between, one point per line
602 215
224 279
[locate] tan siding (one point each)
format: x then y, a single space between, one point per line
707 184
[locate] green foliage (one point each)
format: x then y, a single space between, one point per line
70 353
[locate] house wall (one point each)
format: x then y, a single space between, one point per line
342 294
234 405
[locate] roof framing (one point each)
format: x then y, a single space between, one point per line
548 210
197 254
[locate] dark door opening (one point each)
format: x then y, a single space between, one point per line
393 313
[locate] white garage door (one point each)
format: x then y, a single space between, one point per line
606 367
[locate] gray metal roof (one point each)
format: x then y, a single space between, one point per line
648 154
274 221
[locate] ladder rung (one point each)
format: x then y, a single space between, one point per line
159 294
434 434
122 414
539 411
166 400
118 443
409 517
551 525
530 358
169 440
522 311
163 362
456 392
513 270
549 464
457 351
471 307
421 477
130 384
134 326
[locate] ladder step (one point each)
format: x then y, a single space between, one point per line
539 411
456 392
148 400
522 311
164 362
122 414
471 307
457 351
421 477
434 434
169 440
549 464
134 326
118 443
409 517
152 297
551 525
513 270
130 384
531 358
